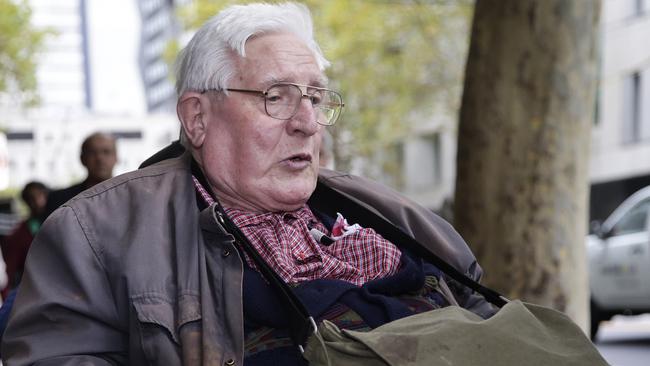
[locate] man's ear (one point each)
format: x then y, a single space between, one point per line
191 110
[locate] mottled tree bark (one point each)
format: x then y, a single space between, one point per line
523 147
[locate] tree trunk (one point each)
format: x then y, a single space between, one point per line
523 148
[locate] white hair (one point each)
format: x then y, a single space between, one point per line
208 60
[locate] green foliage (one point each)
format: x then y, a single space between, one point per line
19 45
396 63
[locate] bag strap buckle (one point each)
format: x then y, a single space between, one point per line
314 327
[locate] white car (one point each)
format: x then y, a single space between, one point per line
619 261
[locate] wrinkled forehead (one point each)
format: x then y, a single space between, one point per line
278 57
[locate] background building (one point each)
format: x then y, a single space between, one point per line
158 26
620 160
102 70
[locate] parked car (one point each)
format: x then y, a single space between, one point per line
619 261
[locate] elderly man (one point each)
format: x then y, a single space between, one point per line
98 156
209 258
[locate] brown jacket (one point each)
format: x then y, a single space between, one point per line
130 272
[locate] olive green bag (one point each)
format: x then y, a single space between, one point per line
519 334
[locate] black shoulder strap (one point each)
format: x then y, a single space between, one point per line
301 324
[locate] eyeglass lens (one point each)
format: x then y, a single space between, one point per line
283 101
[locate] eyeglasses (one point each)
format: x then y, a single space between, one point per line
282 100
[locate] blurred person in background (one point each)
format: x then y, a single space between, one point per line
98 156
170 264
16 244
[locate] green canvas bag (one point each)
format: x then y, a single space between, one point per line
519 334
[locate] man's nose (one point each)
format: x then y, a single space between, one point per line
306 118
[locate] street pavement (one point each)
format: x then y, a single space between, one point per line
625 340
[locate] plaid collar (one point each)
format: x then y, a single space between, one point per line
202 192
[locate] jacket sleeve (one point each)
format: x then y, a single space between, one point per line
64 313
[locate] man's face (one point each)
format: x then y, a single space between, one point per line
253 161
99 158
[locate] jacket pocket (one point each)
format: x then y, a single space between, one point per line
158 324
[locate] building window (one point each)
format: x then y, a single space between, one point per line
639 7
133 135
434 162
644 101
391 165
597 107
16 135
423 165
635 8
632 108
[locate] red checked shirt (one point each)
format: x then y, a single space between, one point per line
285 243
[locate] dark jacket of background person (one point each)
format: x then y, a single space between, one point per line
16 245
60 196
14 251
131 292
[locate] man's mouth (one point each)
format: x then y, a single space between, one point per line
299 158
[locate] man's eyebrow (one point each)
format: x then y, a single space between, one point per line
318 82
273 80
